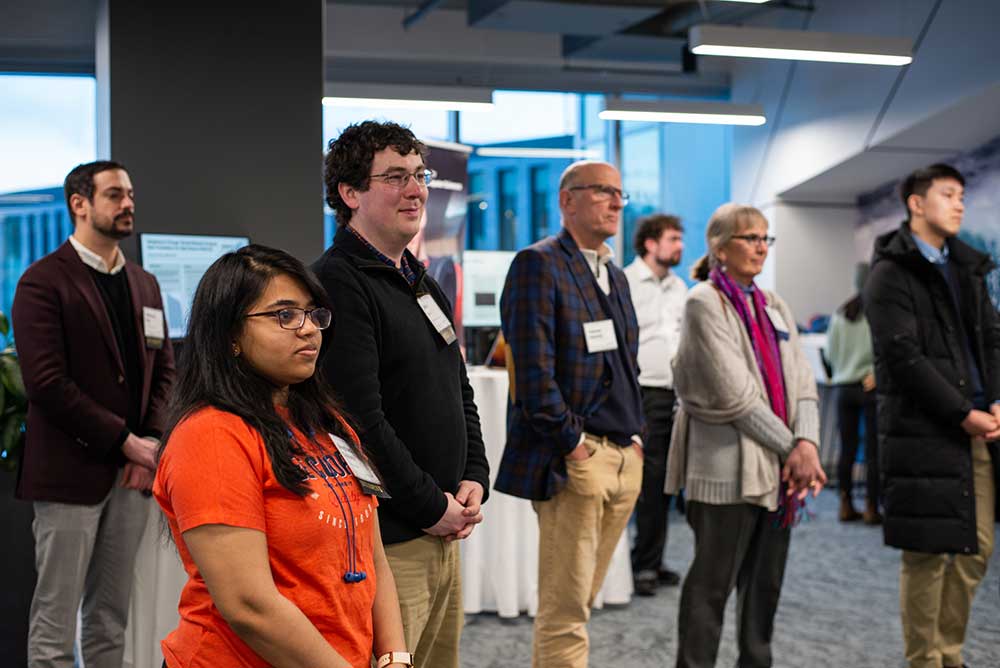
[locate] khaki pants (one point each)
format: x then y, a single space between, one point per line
579 529
429 585
936 590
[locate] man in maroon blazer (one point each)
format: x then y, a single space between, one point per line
98 368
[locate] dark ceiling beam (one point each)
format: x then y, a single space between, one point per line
421 11
676 20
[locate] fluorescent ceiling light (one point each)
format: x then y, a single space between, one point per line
514 152
452 145
682 111
756 2
451 98
741 42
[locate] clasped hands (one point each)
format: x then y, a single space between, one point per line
463 513
983 424
140 470
802 470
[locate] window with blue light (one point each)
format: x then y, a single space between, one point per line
48 125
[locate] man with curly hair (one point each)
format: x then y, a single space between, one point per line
393 332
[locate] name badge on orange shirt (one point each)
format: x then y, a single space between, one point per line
364 472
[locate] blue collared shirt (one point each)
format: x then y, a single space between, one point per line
933 255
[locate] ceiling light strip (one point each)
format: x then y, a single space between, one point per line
743 42
682 111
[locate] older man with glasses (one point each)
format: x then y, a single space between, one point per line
394 360
573 442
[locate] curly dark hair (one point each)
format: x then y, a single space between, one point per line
652 227
80 180
349 158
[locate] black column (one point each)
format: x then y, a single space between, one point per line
215 109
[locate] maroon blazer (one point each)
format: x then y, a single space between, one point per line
75 378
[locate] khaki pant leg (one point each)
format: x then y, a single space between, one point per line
428 583
921 581
569 526
965 572
623 480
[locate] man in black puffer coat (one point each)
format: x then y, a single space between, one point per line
937 366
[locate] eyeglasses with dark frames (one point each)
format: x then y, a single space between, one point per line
756 239
399 178
293 317
603 192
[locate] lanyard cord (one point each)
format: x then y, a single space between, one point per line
353 574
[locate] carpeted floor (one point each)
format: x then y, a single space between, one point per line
839 608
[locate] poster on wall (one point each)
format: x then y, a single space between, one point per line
441 238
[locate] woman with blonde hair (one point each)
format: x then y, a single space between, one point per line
745 441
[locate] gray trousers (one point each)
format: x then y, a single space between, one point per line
84 556
735 545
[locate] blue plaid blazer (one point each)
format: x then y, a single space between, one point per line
549 294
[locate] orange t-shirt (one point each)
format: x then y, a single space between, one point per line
215 470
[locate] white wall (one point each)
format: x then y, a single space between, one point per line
822 114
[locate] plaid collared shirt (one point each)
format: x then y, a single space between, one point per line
404 267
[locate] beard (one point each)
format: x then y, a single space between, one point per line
669 262
120 227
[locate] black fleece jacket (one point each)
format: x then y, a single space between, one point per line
406 390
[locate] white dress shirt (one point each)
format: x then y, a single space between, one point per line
659 306
95 261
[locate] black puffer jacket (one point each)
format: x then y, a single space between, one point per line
925 391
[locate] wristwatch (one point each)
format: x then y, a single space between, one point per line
405 658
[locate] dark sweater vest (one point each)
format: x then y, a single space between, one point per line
117 300
620 415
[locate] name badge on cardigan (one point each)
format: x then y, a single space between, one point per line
439 321
152 327
780 328
600 336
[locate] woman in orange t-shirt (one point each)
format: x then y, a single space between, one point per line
264 487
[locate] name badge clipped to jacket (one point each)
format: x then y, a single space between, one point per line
363 470
439 321
600 336
152 327
780 327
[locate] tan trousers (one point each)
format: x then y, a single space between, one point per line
579 529
429 584
936 590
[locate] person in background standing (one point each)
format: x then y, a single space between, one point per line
849 349
658 297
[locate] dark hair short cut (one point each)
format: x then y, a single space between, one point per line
80 181
349 158
210 375
920 181
652 227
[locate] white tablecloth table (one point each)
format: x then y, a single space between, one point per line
499 559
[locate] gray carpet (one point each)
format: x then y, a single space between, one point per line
839 608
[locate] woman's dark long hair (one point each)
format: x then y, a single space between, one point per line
852 308
210 375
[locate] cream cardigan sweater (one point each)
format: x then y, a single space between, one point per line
727 444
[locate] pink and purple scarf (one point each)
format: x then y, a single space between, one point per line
764 340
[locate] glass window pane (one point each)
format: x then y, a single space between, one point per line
47 126
507 211
476 210
641 177
539 202
519 115
425 124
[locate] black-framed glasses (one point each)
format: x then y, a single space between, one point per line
293 317
398 178
603 192
756 239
